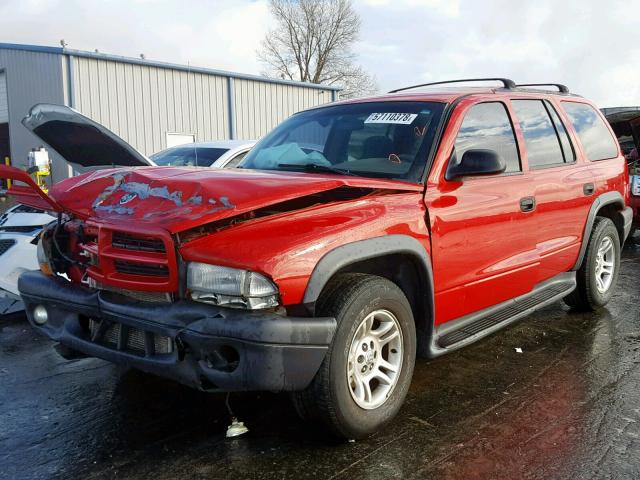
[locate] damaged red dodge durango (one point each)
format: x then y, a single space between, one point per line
354 237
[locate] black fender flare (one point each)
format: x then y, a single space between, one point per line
607 198
350 253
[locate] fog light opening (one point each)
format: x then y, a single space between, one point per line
40 315
224 358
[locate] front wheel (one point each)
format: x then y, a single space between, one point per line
598 274
366 374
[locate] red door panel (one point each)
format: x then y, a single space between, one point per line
483 252
482 248
560 216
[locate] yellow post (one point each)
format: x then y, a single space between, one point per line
7 162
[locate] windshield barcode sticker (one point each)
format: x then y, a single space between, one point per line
400 118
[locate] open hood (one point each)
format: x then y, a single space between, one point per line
85 144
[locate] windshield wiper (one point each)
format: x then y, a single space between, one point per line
315 167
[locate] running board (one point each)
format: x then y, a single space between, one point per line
465 330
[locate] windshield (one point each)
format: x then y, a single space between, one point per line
378 139
186 156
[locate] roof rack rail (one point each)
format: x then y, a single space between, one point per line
505 81
561 88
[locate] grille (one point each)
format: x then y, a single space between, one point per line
131 260
5 245
133 268
131 242
130 339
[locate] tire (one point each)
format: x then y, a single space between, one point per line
589 295
357 301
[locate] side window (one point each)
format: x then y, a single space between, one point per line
592 131
487 126
540 136
561 130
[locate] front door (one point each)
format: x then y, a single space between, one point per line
483 249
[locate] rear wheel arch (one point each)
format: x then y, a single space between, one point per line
399 258
608 205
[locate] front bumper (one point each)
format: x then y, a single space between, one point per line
213 348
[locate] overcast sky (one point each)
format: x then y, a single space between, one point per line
592 46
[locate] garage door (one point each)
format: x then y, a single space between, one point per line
4 108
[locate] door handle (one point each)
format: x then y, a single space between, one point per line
588 189
527 204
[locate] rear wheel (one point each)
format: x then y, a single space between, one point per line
598 275
366 374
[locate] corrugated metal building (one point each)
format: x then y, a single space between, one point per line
150 104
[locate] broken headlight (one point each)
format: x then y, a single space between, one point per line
230 287
43 258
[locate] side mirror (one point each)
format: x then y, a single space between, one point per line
476 162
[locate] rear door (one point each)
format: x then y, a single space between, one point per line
483 249
563 185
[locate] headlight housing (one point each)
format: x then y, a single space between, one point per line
230 287
43 259
635 185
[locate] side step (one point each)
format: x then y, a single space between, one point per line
468 329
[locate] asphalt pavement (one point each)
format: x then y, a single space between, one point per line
567 407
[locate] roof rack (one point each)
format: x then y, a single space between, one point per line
505 81
561 88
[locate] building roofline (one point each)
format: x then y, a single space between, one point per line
159 64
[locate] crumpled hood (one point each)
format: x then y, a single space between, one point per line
177 199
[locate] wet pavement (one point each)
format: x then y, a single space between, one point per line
567 407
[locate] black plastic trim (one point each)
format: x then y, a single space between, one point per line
463 331
344 255
607 198
506 82
561 88
350 253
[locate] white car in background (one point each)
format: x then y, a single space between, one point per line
217 154
19 229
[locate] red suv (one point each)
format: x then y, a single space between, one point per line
354 237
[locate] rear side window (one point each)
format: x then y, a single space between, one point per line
487 126
541 136
561 130
592 131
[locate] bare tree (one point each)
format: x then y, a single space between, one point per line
312 43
